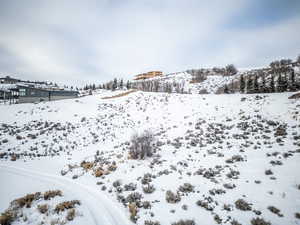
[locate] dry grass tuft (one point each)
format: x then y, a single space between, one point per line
120 95
43 208
87 165
66 205
27 200
51 194
7 217
71 215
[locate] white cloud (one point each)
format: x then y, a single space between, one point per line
79 42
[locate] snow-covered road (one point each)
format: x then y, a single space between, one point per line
100 209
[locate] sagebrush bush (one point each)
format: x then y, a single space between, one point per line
142 145
184 222
259 221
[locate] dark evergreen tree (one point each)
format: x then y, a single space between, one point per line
230 69
255 85
128 85
114 85
291 82
272 84
249 85
121 84
285 83
263 88
280 85
226 90
242 84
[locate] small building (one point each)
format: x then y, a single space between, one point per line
31 94
9 80
148 75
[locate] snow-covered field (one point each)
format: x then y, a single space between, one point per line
214 154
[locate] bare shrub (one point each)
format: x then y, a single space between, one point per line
243 205
71 214
26 200
149 222
142 145
172 197
43 208
184 222
51 194
7 217
148 189
259 221
66 205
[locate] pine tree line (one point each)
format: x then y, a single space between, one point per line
284 82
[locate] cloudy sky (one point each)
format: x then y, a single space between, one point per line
78 42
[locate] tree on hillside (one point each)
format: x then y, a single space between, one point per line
242 84
128 86
249 85
255 85
114 85
226 90
263 87
121 84
280 84
230 69
275 64
272 84
284 62
298 58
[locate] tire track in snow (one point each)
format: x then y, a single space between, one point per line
101 209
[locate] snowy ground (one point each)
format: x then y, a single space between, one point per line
221 146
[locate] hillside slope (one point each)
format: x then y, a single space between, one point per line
216 159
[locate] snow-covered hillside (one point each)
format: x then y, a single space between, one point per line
209 81
184 80
228 159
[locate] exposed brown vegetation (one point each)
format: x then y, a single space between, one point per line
71 215
43 208
51 194
7 217
120 95
87 165
66 205
27 200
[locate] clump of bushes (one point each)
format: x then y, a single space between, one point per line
51 194
172 197
147 178
148 222
259 221
17 211
133 211
186 187
26 200
71 214
87 165
274 210
268 172
205 204
184 222
66 205
134 197
148 189
7 217
142 145
242 205
43 208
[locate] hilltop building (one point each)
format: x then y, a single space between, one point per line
148 75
